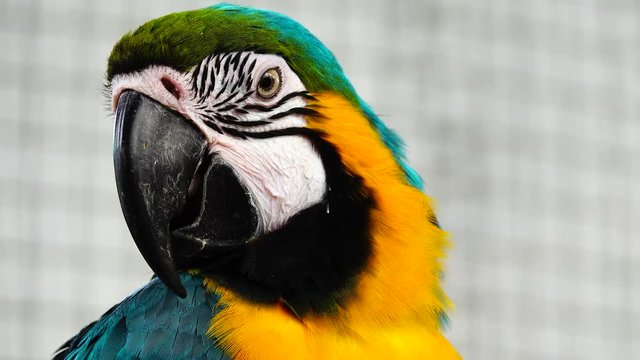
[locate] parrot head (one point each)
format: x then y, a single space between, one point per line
243 153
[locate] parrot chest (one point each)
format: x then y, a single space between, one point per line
250 331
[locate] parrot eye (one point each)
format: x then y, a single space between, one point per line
270 83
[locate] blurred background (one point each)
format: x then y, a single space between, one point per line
523 117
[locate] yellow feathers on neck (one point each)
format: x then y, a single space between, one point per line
394 310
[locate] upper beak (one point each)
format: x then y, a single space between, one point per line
156 153
179 202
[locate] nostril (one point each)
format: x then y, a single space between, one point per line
171 87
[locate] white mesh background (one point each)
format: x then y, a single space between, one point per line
523 118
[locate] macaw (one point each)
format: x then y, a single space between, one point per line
276 210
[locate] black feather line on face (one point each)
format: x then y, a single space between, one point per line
289 96
226 100
203 77
227 108
209 88
249 82
291 131
253 64
194 80
213 125
244 97
223 88
226 66
238 84
295 111
236 60
232 120
243 63
234 132
312 262
212 79
218 61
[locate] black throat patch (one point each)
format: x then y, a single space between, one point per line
311 263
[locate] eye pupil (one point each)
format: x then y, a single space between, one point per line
266 82
269 83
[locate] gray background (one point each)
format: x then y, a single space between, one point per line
522 116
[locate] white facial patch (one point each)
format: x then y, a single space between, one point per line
223 97
284 174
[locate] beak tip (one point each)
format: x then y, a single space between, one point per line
174 283
181 292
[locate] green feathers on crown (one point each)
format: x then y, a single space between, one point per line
182 40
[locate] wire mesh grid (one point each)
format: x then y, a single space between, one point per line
523 118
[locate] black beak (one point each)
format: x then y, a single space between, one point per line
156 152
180 203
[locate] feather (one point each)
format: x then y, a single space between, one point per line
153 323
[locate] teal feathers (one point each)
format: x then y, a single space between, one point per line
153 323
